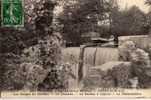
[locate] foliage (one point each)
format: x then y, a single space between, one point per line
59 76
20 37
129 22
121 75
141 66
118 76
27 75
80 17
148 2
9 66
38 25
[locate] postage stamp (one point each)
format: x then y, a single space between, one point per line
12 13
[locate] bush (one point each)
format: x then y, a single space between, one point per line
121 75
31 75
25 72
58 78
141 66
9 66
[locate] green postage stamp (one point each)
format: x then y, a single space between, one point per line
12 13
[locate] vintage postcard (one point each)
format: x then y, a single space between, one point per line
75 48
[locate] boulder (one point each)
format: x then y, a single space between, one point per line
111 74
110 65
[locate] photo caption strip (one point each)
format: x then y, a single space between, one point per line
98 93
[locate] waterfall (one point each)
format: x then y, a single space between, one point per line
101 55
93 56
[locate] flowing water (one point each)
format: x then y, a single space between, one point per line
100 55
93 56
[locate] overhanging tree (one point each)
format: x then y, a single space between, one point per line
129 22
82 17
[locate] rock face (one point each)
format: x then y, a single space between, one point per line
140 57
111 74
125 50
121 74
99 79
133 71
110 65
141 65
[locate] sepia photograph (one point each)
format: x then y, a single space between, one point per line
56 46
